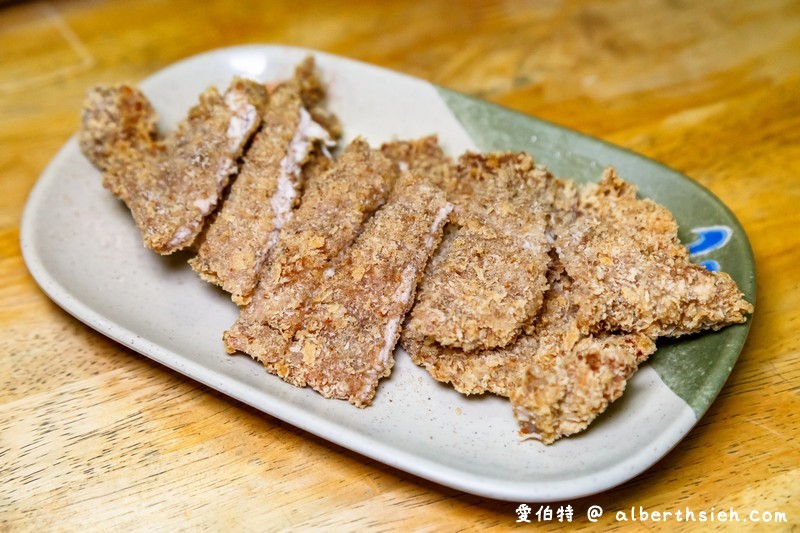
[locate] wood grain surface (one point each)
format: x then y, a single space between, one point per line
95 436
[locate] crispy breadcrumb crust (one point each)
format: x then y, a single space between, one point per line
312 92
561 394
350 329
498 370
117 124
557 378
576 357
424 157
331 214
263 196
631 273
492 280
171 186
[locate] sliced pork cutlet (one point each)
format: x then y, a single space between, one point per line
560 394
498 370
118 126
492 280
170 186
314 95
332 211
263 197
630 273
572 377
558 379
352 324
425 157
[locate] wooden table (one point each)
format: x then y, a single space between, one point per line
92 434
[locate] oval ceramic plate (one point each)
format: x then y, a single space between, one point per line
82 247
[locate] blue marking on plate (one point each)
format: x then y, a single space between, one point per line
710 265
709 239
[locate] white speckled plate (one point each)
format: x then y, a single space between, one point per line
82 247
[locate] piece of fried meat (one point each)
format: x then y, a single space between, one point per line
619 278
557 378
560 394
631 273
492 280
169 185
424 157
118 126
350 329
265 193
332 211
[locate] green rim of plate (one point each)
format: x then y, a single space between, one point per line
693 367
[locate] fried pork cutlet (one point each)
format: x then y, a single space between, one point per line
118 124
262 198
630 272
498 370
331 214
574 359
170 186
558 379
492 280
349 332
313 93
573 377
425 157
560 395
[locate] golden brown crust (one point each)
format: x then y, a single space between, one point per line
313 93
262 198
561 394
496 371
332 212
350 329
117 124
573 377
171 186
558 379
492 280
576 357
500 370
317 165
425 157
632 274
258 340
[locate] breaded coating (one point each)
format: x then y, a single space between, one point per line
331 214
118 124
425 157
499 370
171 187
257 339
318 164
631 273
561 394
262 198
573 377
492 281
576 357
313 93
558 379
350 329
